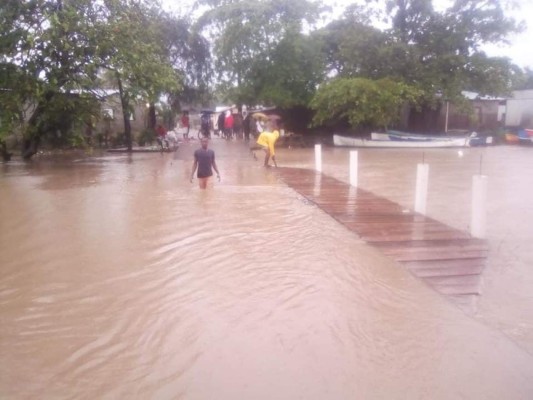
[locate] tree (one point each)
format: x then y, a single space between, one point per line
524 80
439 53
246 36
362 102
58 48
13 95
190 56
446 46
46 45
289 77
142 68
353 48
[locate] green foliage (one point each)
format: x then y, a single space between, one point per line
142 67
52 52
523 80
56 48
362 101
352 48
47 52
147 136
253 46
288 78
131 44
438 52
77 140
11 99
189 55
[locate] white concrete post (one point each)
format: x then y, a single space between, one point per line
318 157
478 224
353 168
421 194
317 186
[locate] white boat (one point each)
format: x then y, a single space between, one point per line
418 137
359 142
473 138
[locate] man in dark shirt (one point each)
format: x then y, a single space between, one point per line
204 160
220 123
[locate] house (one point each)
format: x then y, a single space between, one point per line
484 113
491 113
111 125
519 109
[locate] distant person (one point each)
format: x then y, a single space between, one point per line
162 136
228 125
246 126
266 142
204 125
204 160
185 124
237 125
220 123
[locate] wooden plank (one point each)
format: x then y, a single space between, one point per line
434 249
470 243
383 217
447 259
384 227
453 280
445 264
425 235
448 271
468 288
422 254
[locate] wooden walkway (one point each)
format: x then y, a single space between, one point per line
447 259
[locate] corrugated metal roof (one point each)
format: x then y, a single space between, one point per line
476 96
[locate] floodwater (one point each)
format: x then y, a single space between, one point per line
120 279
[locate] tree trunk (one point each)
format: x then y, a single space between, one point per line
125 113
151 117
30 146
36 128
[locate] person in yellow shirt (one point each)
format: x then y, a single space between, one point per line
266 141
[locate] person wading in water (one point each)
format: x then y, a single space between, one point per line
204 160
266 142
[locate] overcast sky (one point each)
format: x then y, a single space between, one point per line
519 51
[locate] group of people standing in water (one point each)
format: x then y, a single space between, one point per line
204 158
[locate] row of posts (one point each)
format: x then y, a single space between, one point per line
478 222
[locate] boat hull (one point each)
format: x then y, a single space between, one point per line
358 142
473 139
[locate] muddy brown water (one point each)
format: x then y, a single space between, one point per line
120 279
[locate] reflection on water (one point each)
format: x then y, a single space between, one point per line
120 279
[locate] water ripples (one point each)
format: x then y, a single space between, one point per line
141 286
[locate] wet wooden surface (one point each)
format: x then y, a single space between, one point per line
449 260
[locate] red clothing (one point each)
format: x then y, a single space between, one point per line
161 132
185 121
228 122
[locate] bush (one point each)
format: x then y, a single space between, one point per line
146 137
118 140
77 140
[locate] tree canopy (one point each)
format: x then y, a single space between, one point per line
362 101
58 49
437 54
258 47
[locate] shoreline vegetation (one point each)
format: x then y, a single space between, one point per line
114 71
